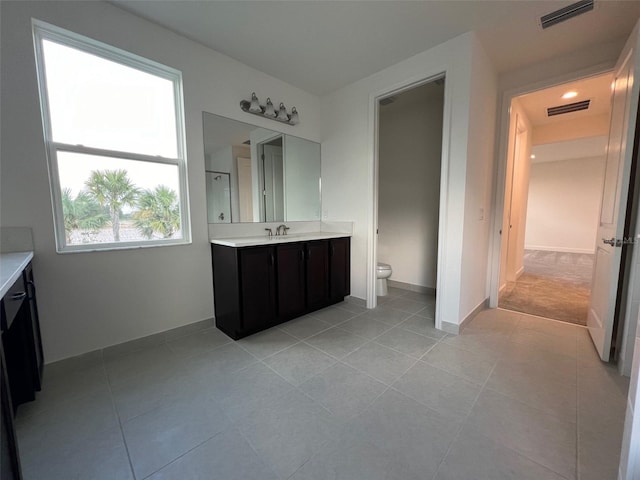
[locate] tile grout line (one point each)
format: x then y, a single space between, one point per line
387 388
182 455
115 409
462 423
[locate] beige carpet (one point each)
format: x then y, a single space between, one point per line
554 285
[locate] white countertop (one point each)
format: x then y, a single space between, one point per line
274 240
11 266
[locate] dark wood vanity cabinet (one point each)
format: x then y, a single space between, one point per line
258 287
21 339
340 268
21 364
291 280
9 455
318 274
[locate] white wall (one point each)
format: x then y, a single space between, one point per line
585 127
301 179
348 149
410 153
564 205
479 182
92 300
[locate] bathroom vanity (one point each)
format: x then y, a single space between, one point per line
21 358
259 282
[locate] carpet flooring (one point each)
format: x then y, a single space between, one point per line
554 285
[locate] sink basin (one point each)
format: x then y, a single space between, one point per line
285 238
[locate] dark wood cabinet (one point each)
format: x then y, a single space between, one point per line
317 274
340 268
291 280
37 355
9 455
258 287
21 364
17 341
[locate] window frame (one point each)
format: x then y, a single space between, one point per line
44 31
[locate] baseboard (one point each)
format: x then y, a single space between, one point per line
411 287
587 251
519 272
131 346
452 328
455 329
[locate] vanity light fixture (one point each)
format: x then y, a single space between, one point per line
253 106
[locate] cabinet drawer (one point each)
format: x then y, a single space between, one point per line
12 301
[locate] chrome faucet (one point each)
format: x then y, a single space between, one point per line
282 228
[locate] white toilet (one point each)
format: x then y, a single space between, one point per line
383 271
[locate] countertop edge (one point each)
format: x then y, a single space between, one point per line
16 262
255 241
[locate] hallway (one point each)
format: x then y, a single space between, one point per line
555 285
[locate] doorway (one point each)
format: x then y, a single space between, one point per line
554 182
271 171
410 132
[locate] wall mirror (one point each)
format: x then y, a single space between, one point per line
259 175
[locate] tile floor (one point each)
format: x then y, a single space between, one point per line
344 393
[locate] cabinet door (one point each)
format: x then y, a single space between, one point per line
37 356
17 341
9 456
257 287
340 267
291 280
317 254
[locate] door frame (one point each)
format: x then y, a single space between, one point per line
500 167
372 237
260 170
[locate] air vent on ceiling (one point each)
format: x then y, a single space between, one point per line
568 108
387 101
247 142
570 11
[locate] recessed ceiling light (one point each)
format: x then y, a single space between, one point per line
571 94
533 156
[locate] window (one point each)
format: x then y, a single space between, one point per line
114 132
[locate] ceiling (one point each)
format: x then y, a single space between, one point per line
597 89
321 46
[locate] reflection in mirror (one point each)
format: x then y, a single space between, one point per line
219 199
271 176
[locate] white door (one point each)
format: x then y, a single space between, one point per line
600 319
245 192
273 183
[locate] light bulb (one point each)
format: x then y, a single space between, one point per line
255 104
294 116
282 113
269 110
